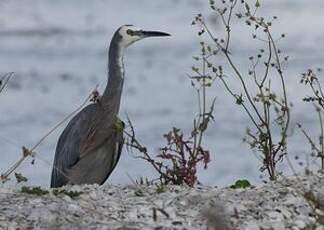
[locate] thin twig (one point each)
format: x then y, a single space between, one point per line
30 152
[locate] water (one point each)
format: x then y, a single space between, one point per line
58 51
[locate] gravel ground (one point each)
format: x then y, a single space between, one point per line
291 203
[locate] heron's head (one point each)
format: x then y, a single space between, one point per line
130 34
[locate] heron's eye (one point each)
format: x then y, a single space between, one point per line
130 32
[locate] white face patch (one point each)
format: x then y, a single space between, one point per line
129 34
128 37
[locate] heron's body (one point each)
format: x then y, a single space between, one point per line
90 146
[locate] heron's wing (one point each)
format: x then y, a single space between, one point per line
67 151
118 149
100 150
88 149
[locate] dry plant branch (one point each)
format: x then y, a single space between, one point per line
310 79
4 80
268 109
177 162
31 152
133 143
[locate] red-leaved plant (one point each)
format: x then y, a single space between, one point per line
178 161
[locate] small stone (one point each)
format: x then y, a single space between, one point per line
320 198
319 212
285 213
300 224
66 198
291 200
280 225
93 195
251 225
274 215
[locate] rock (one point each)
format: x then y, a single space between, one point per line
216 216
280 225
285 212
300 224
250 225
274 215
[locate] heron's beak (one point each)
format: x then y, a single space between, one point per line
155 34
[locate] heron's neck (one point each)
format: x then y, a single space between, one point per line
114 88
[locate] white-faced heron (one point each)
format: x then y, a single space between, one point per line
90 146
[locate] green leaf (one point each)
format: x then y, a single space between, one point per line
119 125
241 184
257 4
160 188
20 178
34 190
239 100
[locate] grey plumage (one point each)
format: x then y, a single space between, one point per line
89 148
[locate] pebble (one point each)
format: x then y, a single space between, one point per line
285 213
278 225
300 224
274 215
251 225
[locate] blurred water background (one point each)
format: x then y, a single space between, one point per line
58 51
